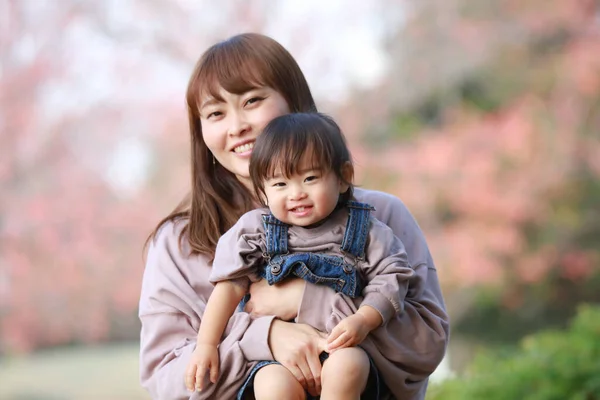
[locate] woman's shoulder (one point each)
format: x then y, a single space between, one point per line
170 270
390 210
169 233
382 201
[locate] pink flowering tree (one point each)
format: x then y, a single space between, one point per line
499 162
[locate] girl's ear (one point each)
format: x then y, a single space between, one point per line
347 173
265 201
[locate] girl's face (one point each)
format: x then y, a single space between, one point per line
304 198
230 125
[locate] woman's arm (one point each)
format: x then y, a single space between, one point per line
175 289
295 346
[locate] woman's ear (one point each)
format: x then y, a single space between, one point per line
347 173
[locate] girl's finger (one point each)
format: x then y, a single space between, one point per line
200 373
339 342
190 376
214 373
335 333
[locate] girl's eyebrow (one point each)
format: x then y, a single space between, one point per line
305 170
299 172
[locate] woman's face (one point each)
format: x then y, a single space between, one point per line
231 125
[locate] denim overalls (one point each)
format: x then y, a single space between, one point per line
338 272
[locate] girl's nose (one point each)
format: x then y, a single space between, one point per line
297 194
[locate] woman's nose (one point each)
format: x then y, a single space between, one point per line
238 125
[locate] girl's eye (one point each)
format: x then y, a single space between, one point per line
311 178
279 184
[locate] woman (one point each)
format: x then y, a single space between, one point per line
236 88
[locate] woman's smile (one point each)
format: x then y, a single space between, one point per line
244 149
232 122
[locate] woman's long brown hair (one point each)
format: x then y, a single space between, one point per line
238 64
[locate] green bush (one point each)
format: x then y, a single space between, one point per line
549 365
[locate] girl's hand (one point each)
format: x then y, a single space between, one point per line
354 329
205 357
348 333
281 300
297 347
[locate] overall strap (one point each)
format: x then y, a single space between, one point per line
357 229
276 234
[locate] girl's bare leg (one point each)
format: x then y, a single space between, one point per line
276 382
345 374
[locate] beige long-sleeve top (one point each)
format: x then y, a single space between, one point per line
385 268
176 286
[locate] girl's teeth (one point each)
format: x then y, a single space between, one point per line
244 148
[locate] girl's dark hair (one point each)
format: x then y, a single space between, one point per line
238 64
285 141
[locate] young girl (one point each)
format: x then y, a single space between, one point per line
301 167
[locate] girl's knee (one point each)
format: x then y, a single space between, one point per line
349 364
274 381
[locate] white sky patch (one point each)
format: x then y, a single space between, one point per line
24 50
338 44
101 71
128 165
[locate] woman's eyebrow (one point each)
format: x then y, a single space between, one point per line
209 102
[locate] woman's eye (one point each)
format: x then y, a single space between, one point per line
254 100
214 114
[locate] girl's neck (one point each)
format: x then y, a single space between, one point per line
317 224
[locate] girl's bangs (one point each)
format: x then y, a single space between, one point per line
288 159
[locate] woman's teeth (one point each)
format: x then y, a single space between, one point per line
244 148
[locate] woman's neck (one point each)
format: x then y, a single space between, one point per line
241 196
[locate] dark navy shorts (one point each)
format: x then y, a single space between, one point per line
374 390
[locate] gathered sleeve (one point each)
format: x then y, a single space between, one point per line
175 289
386 270
239 252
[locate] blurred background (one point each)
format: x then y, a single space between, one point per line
482 116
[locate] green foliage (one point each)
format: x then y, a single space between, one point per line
545 304
549 365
